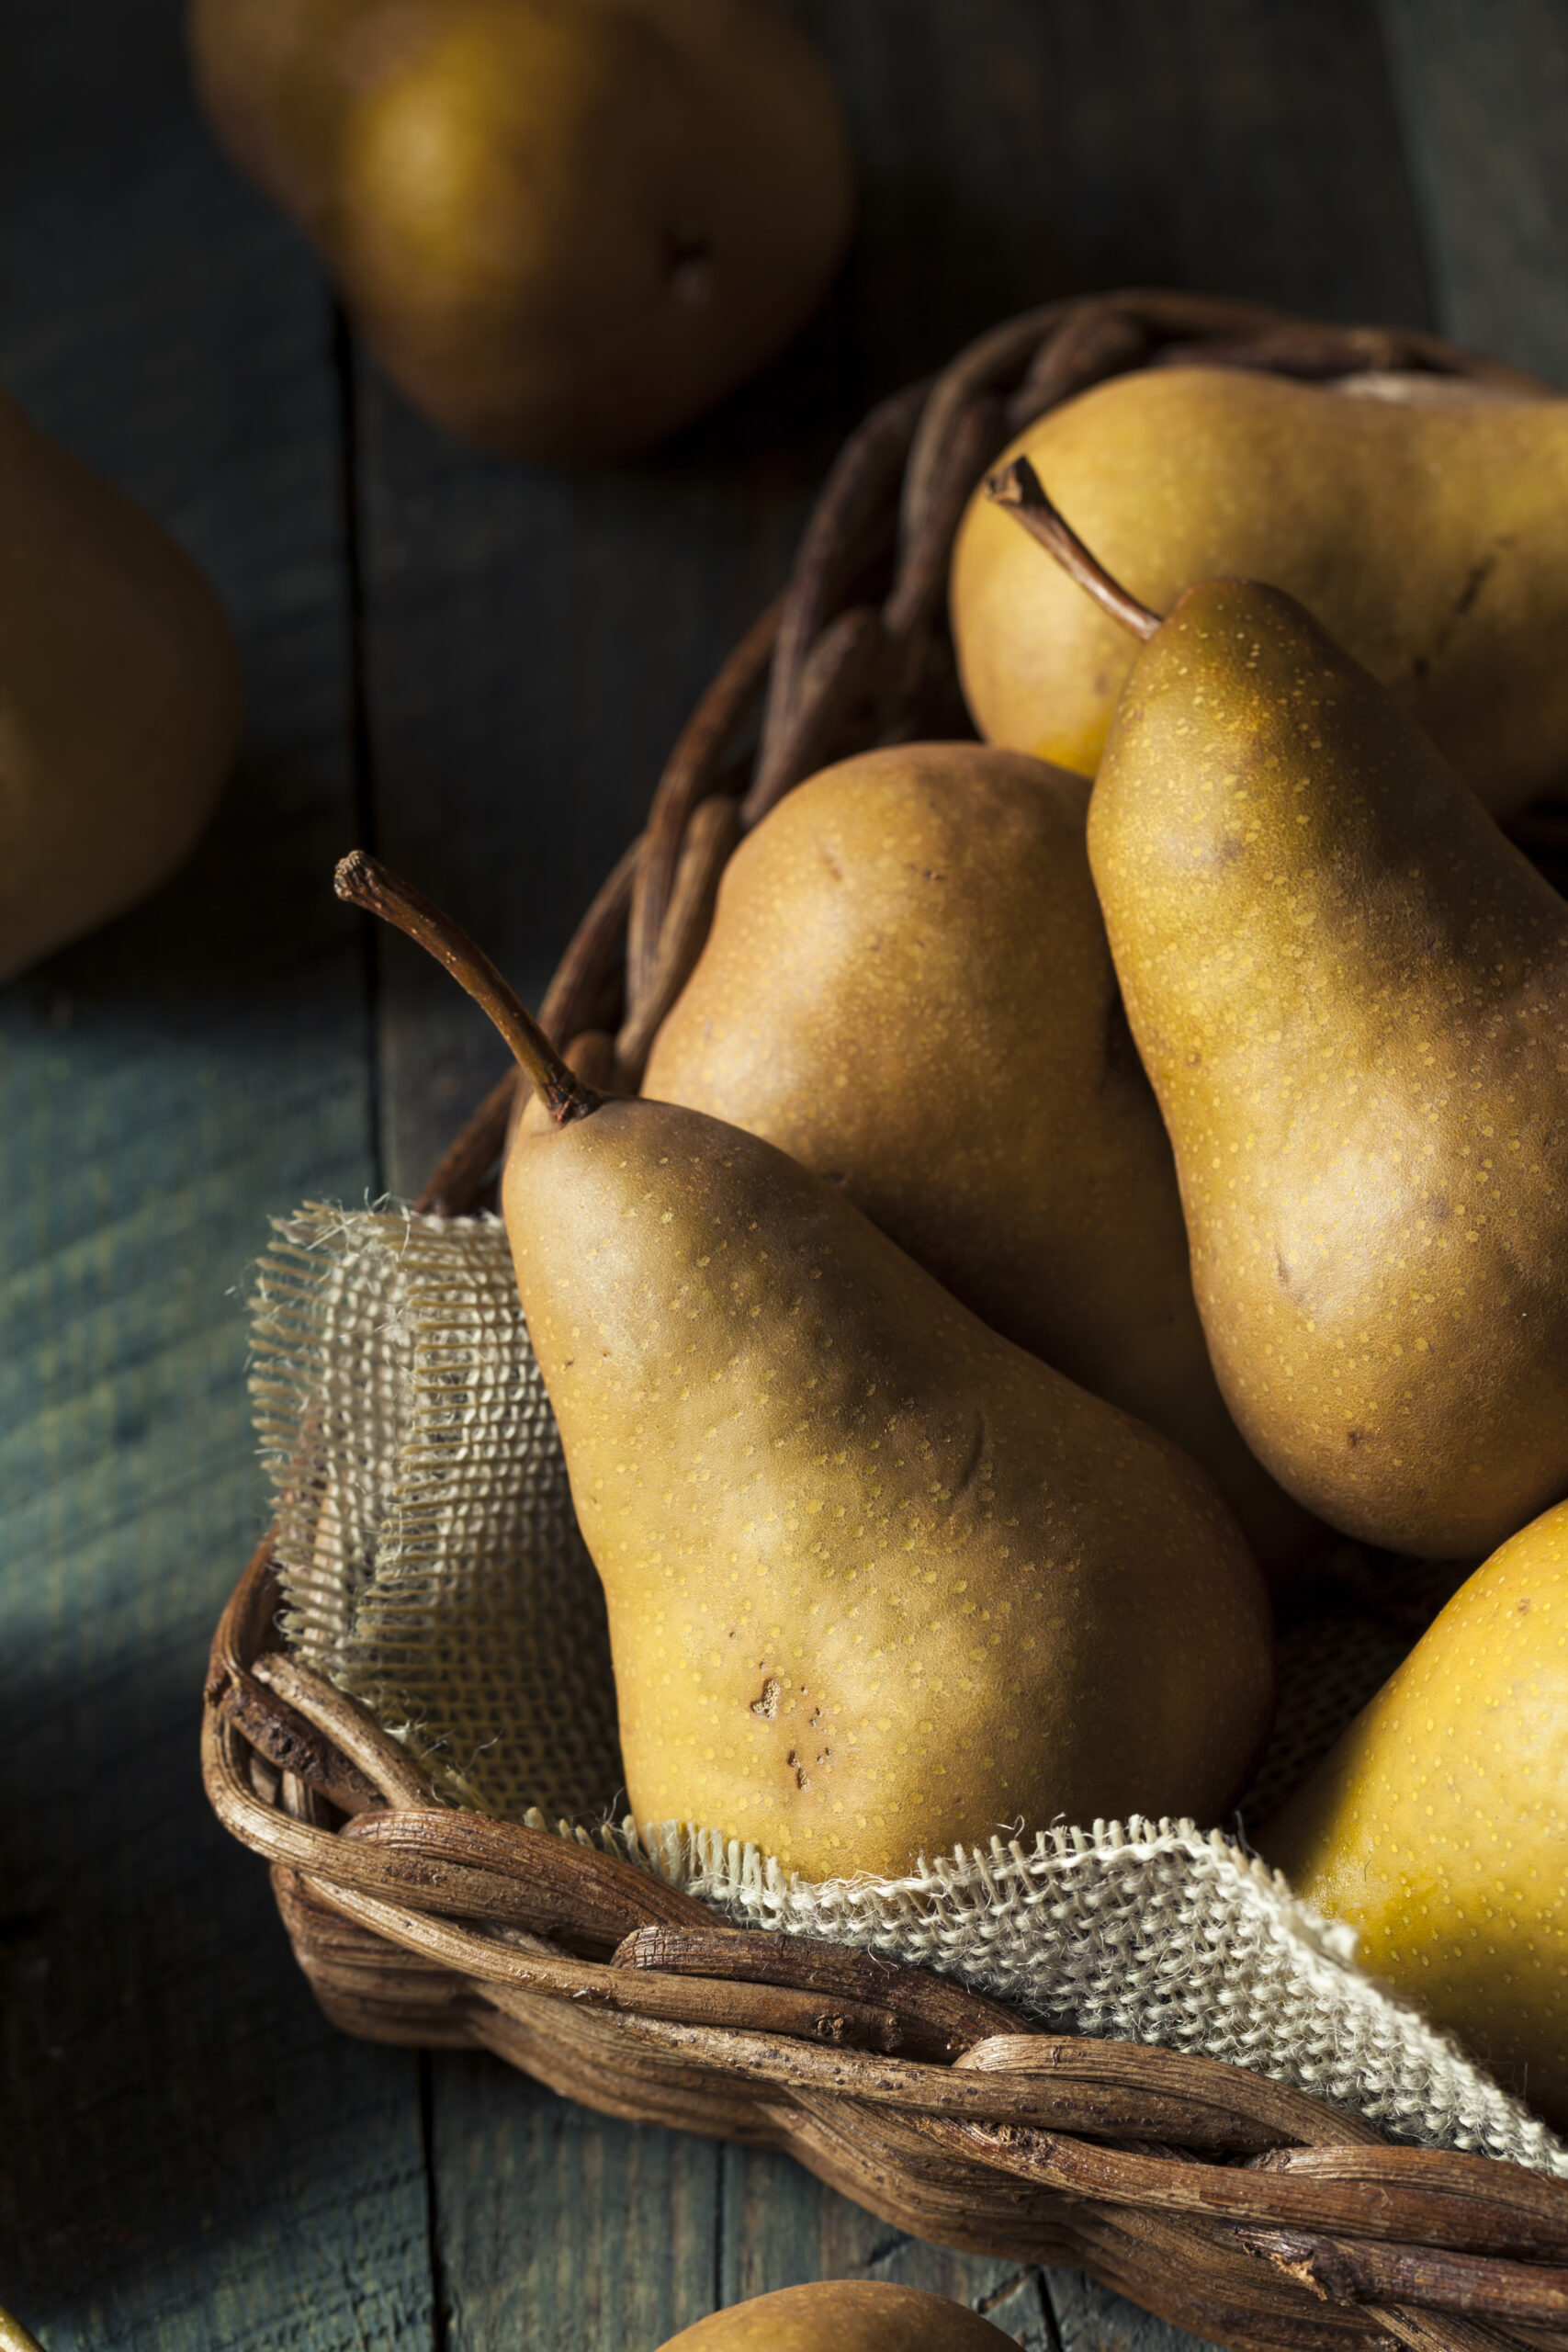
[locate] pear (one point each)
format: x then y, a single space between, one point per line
119 699
1349 992
14 2336
565 231
842 2316
1437 1826
877 1580
1429 536
926 908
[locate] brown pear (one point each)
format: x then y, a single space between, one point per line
1350 993
1429 536
842 2316
878 1581
565 231
119 699
930 907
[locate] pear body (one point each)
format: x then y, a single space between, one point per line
1350 992
1437 1826
842 2316
925 910
566 231
877 1580
1429 536
119 699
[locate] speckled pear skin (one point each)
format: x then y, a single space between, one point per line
1429 535
842 2316
1438 1823
928 907
878 1581
1351 995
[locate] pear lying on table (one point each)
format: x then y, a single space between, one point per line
1429 536
877 1580
565 231
1438 1823
929 908
842 2316
119 699
1350 993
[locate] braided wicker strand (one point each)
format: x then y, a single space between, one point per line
1227 2203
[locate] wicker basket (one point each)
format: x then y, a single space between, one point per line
1224 2202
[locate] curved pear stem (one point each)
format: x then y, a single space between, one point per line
1018 488
364 882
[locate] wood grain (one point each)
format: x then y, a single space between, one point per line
1014 151
191 2159
1482 91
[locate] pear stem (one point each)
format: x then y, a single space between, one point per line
1018 488
364 882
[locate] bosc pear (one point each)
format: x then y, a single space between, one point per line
877 1580
1427 532
119 699
565 231
930 906
1350 993
842 2316
1437 1826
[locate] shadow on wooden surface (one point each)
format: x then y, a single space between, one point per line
189 2156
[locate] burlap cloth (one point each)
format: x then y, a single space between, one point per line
431 1565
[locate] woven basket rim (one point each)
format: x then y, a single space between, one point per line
416 1923
1232 2205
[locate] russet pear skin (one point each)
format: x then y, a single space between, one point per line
1429 536
842 2316
926 909
119 699
877 1580
1350 993
1437 1826
565 231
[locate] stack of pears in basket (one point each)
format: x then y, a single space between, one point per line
1054 1211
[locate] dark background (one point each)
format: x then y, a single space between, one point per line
477 667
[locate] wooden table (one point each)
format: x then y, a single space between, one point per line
475 668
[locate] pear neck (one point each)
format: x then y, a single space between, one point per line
1019 489
364 882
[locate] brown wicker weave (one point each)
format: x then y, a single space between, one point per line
1232 2206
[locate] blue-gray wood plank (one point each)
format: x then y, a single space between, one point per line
188 2157
1483 91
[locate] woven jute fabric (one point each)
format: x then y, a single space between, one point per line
432 1566
426 1541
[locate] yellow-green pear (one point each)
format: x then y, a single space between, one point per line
1438 1824
925 910
841 2315
565 231
119 699
877 1579
1429 536
1350 993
